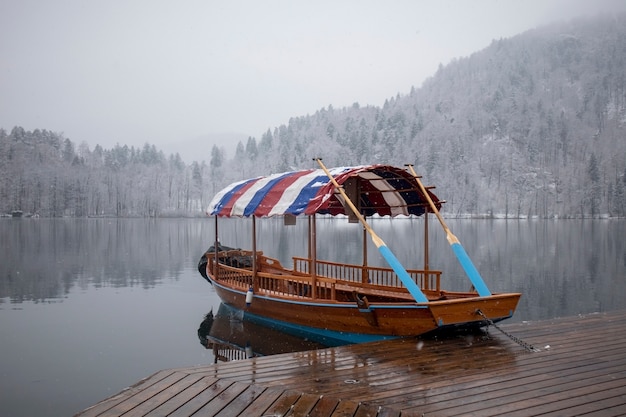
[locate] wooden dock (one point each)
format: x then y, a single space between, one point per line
579 369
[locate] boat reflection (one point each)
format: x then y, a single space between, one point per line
231 337
425 363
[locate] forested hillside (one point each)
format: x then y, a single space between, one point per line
534 125
43 173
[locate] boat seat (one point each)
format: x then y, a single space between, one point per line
403 295
374 292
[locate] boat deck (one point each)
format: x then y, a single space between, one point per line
580 369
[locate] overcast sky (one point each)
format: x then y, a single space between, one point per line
179 72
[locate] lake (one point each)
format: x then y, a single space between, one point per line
89 307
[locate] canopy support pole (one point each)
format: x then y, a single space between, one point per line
313 254
386 253
364 274
255 285
216 245
426 254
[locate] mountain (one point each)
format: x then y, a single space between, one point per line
533 125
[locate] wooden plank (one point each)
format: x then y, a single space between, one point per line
143 392
222 400
261 403
613 406
555 401
477 377
510 385
585 338
107 404
388 412
445 391
283 403
164 395
324 407
616 411
365 410
565 327
543 398
454 386
242 401
345 408
583 371
182 397
198 401
304 405
498 394
387 376
333 382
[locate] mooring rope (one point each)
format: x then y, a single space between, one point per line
525 345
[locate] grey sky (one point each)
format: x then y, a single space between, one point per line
179 72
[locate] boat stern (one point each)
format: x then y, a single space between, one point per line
474 311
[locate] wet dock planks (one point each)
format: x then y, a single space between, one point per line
579 369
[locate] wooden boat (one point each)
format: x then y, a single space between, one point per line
336 303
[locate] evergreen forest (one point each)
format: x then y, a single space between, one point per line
530 126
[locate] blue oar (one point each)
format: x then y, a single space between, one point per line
393 262
459 251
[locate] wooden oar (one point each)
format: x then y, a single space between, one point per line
459 251
391 259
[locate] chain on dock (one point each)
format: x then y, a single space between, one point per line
525 345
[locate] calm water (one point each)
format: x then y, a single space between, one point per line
91 306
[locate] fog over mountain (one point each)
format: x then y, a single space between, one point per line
532 125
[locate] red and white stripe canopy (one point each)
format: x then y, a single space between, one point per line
376 189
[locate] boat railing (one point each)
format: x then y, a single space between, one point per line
298 286
234 276
367 275
275 281
236 257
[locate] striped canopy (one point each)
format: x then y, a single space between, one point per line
374 189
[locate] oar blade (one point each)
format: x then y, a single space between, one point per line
397 267
470 270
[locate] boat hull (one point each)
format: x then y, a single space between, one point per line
335 323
